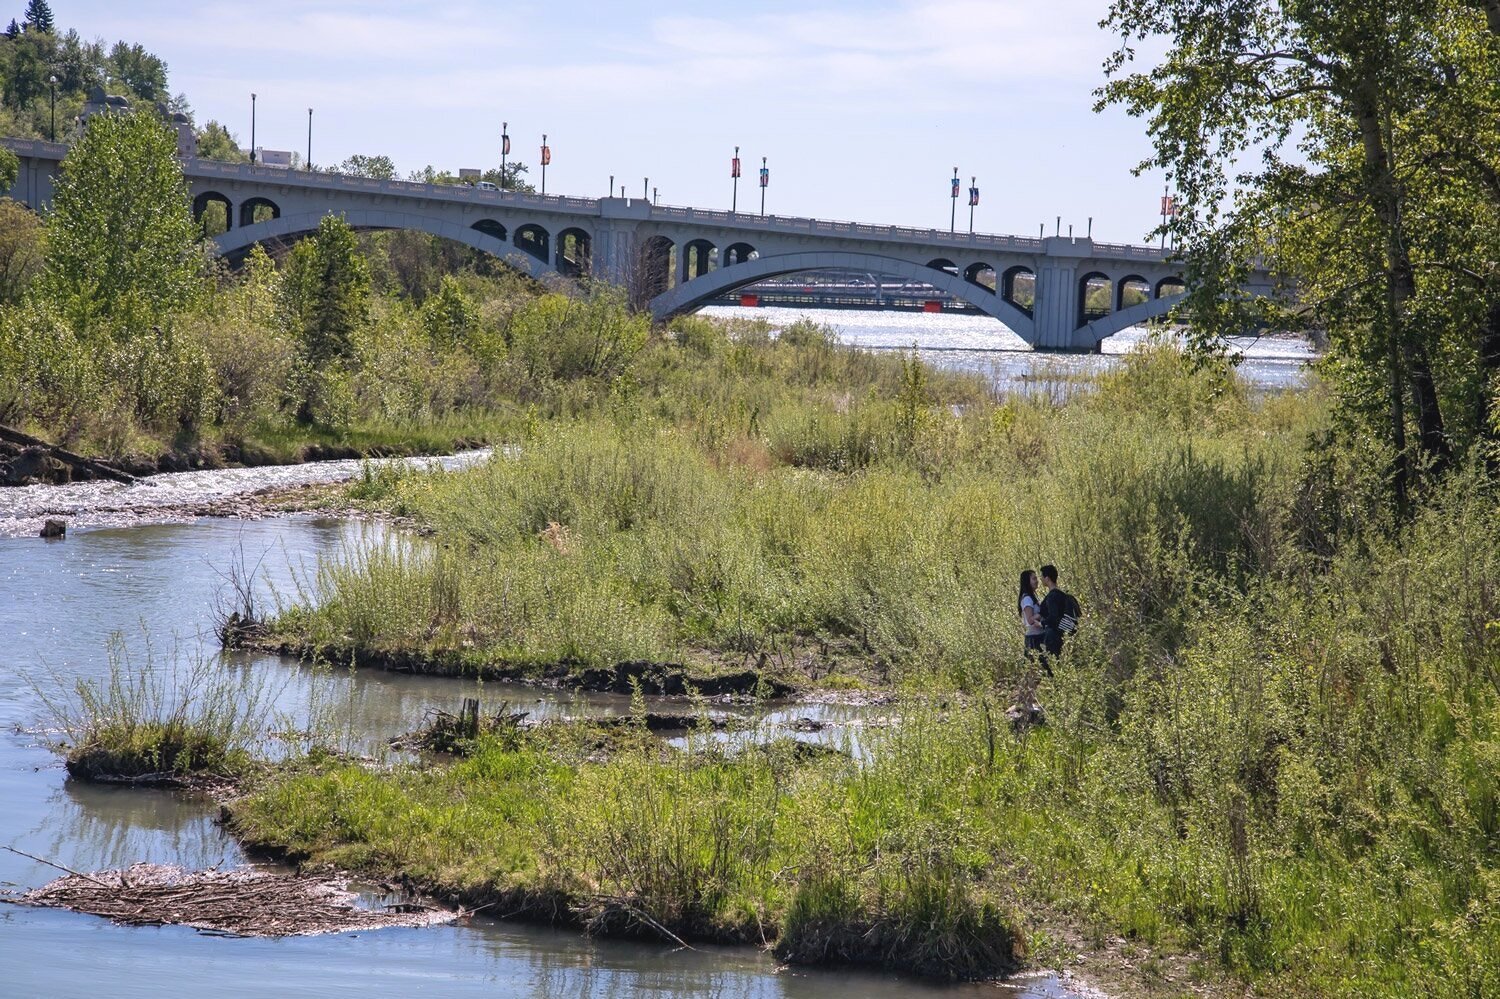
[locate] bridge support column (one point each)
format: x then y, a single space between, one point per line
1055 311
614 251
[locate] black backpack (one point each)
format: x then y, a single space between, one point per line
1068 623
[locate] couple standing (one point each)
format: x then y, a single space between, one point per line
1046 620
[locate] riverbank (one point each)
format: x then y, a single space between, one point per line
1240 687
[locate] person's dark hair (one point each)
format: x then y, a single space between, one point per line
1028 587
1049 572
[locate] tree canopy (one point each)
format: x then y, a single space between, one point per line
1352 147
122 244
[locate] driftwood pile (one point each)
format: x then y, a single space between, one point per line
243 902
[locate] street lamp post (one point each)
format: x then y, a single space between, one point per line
252 129
734 173
505 150
953 215
309 138
546 158
52 82
765 181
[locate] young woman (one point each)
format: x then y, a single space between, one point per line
1031 613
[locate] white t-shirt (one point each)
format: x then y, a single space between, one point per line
1031 602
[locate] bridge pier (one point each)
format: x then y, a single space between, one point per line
1058 325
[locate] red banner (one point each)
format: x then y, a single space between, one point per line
504 145
546 155
734 168
1168 205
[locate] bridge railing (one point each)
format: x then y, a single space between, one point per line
594 206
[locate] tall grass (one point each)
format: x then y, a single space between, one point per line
148 719
1273 743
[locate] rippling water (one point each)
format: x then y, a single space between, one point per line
988 347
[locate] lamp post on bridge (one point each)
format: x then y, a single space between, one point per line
765 180
953 214
52 82
973 201
734 173
505 151
252 129
546 158
309 138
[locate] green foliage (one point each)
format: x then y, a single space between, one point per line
38 17
1374 201
373 167
215 143
23 247
327 288
10 168
122 252
450 317
557 337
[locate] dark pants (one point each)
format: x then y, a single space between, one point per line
1034 644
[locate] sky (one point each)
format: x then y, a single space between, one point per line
863 109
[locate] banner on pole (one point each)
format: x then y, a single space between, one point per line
973 196
765 177
504 145
1168 205
734 168
955 187
546 155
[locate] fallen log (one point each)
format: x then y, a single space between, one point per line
98 468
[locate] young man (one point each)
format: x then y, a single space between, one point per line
1055 606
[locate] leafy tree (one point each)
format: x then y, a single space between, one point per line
142 72
373 167
328 289
39 17
122 250
10 169
450 317
1376 194
215 143
514 170
22 244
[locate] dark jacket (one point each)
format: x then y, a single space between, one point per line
1054 605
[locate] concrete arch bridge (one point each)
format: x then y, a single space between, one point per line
1056 293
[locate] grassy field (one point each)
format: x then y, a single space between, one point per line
1273 744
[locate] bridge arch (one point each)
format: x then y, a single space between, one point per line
490 227
1125 318
1170 285
251 207
738 253
976 274
203 202
1018 287
945 265
295 226
575 252
699 256
1132 290
535 240
1094 297
691 294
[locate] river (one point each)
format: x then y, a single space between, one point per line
986 346
152 588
